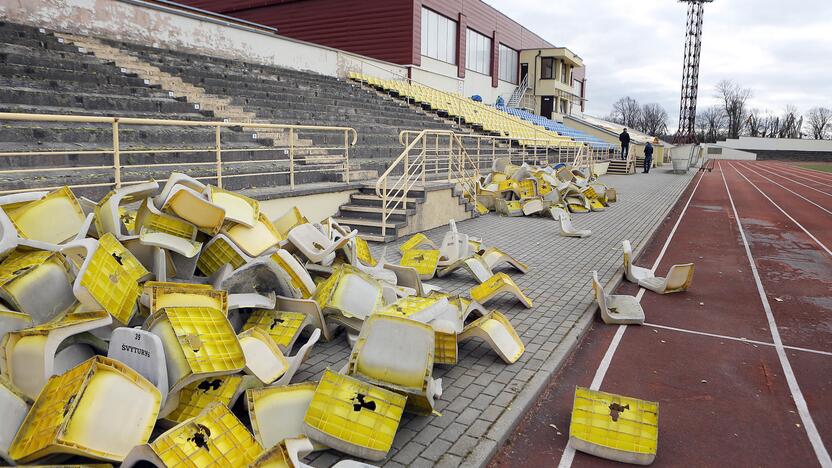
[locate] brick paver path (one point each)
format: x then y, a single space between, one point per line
481 389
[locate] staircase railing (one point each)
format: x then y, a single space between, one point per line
519 92
440 147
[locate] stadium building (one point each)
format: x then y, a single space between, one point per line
462 46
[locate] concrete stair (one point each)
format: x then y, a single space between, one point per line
621 167
364 211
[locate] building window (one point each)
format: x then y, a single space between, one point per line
564 73
508 64
478 53
547 68
438 36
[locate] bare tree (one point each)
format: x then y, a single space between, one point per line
759 123
734 100
653 120
820 122
711 122
627 112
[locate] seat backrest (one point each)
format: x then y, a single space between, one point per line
628 254
600 295
141 351
679 277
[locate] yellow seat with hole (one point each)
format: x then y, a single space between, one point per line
614 427
55 218
424 261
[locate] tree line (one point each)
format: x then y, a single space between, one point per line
732 117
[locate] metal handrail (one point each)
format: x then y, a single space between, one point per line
461 169
213 146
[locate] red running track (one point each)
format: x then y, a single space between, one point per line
741 364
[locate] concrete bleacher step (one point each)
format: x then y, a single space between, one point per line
618 166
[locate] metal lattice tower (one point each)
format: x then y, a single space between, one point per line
690 72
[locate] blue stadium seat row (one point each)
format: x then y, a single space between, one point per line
558 127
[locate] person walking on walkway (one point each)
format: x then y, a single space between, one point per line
648 157
624 138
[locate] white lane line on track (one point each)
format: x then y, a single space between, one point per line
569 452
790 180
783 187
734 338
814 176
781 210
794 388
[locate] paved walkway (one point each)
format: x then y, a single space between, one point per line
483 397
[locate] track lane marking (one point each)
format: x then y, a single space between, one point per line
734 338
824 247
791 180
799 401
569 452
743 166
814 176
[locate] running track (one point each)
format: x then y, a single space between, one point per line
741 364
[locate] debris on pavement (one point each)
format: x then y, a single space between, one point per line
164 305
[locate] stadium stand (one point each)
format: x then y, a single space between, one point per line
558 127
480 116
43 73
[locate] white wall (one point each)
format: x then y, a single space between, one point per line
144 25
717 151
778 144
442 75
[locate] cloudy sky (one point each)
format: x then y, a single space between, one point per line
782 50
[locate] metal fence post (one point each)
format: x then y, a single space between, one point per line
116 156
219 155
292 158
347 155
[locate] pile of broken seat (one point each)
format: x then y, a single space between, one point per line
555 191
130 327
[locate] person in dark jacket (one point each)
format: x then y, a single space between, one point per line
624 138
648 157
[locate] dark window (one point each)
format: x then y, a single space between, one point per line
547 68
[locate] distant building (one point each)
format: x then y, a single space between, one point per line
463 46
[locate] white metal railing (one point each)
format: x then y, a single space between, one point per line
286 150
427 148
519 92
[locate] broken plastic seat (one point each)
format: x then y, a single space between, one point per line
108 217
194 208
12 321
454 246
199 342
287 221
14 408
109 277
264 359
496 285
418 241
509 208
219 251
277 413
532 206
77 412
397 353
567 229
445 350
284 327
495 257
363 253
678 278
419 309
254 240
185 247
424 261
141 351
475 265
349 291
54 219
300 280
618 309
614 427
28 356
161 295
285 454
308 307
408 277
37 283
354 417
198 395
149 217
238 208
177 178
279 274
215 437
496 330
314 244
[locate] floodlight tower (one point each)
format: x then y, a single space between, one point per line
690 72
